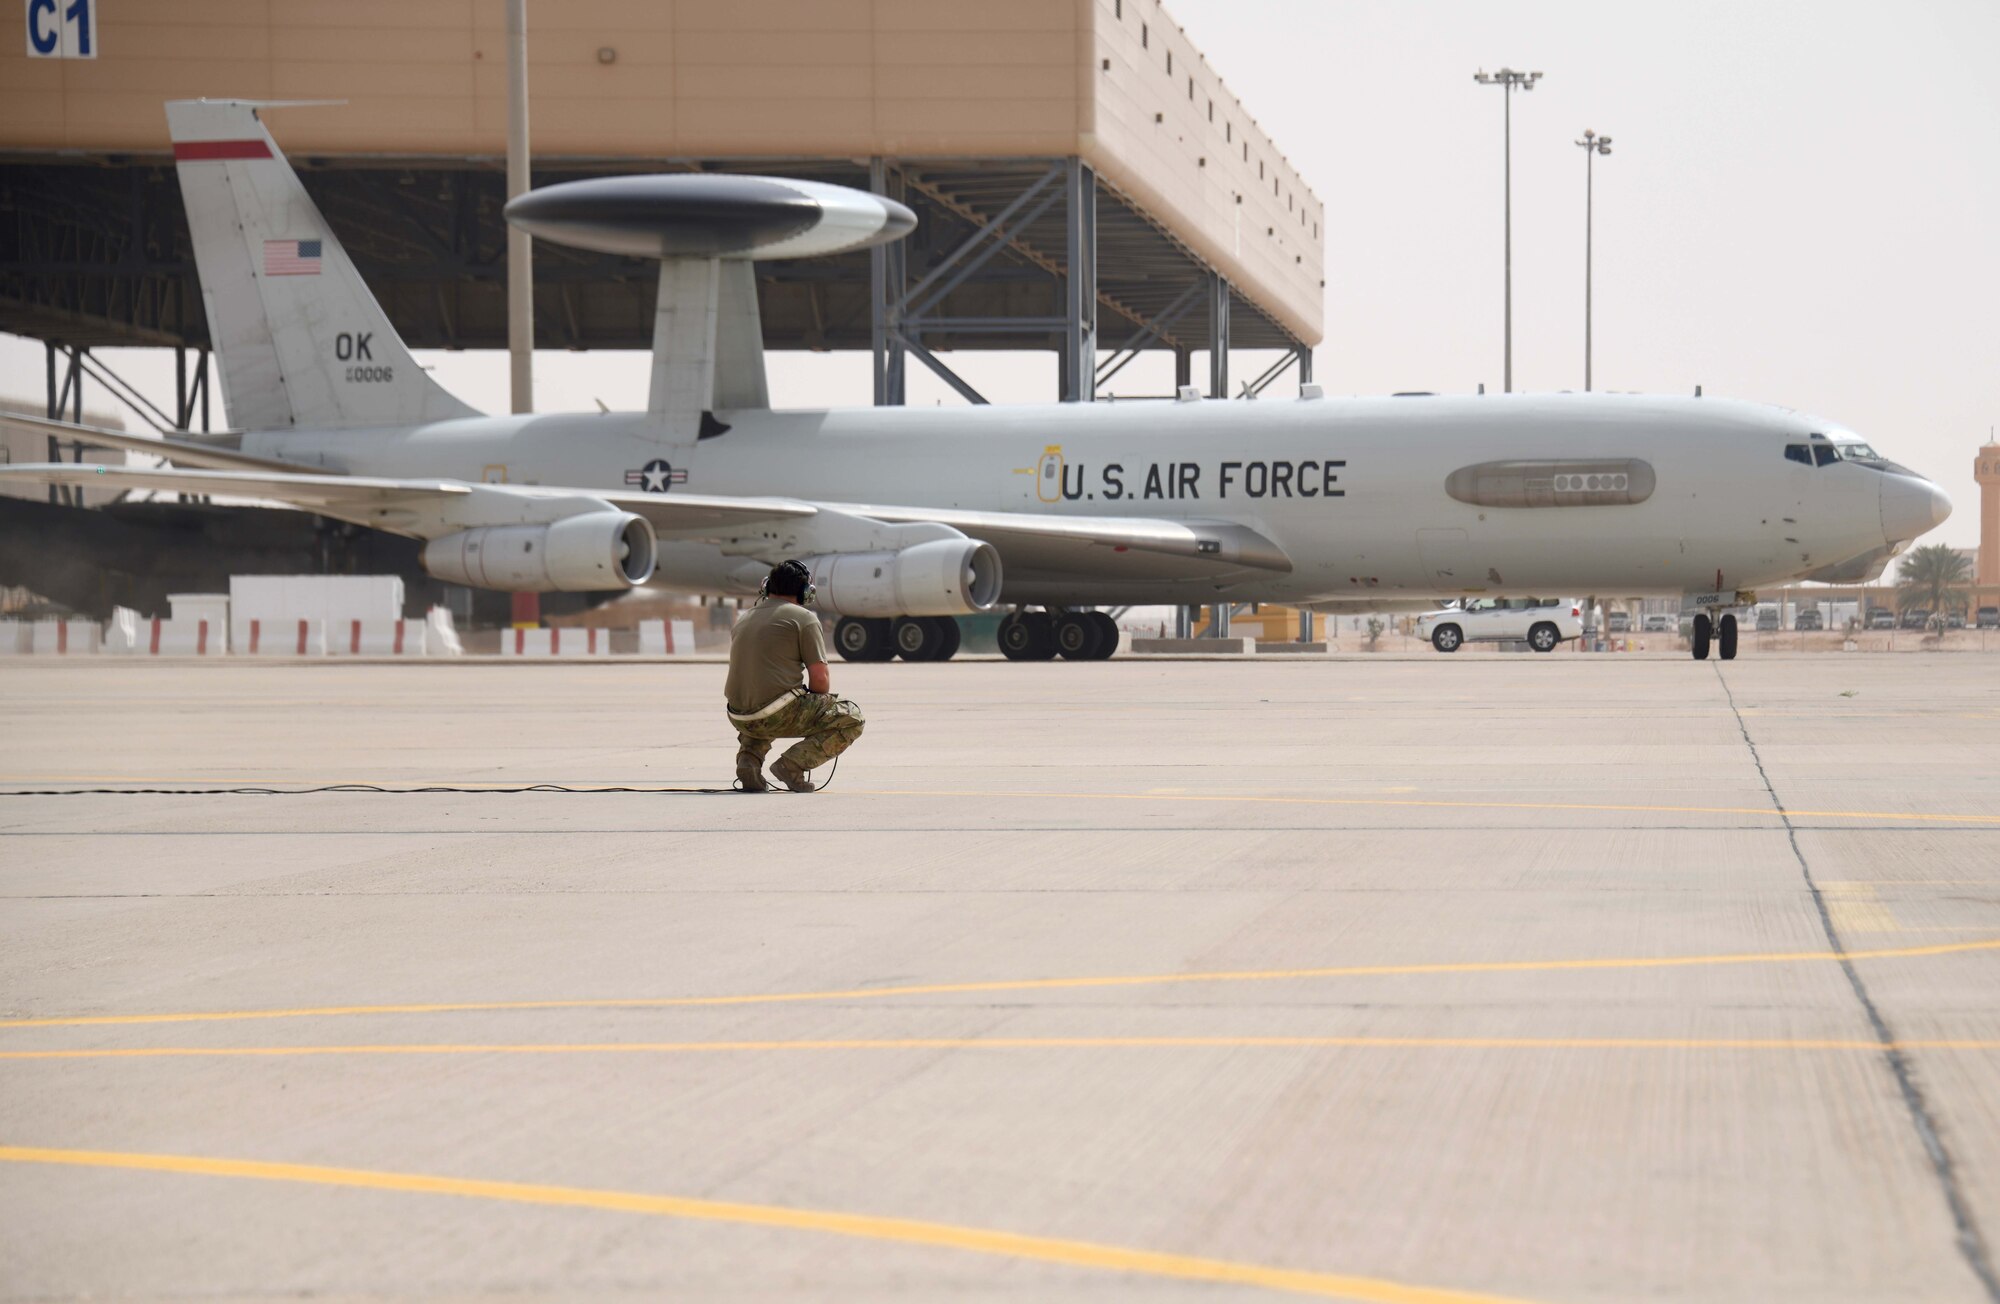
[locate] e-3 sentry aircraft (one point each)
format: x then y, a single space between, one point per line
910 516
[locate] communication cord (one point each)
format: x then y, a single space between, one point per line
427 789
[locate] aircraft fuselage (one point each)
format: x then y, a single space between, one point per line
1358 493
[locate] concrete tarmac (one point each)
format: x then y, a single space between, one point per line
1453 979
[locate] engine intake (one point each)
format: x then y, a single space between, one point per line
945 577
593 552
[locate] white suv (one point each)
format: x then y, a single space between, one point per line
1541 623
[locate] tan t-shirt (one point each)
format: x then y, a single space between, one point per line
773 644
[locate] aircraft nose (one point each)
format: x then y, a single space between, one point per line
1910 506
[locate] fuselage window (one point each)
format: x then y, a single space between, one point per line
1798 453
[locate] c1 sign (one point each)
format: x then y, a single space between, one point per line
62 29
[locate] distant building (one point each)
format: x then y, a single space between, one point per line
1987 471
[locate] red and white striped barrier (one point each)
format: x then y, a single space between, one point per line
587 642
160 637
285 638
666 638
377 638
66 637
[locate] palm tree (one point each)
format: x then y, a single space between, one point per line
1931 577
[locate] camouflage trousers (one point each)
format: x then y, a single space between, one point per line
825 726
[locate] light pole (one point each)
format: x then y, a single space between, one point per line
1508 80
1593 145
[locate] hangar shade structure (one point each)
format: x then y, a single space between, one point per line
1084 181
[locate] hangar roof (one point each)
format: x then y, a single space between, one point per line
971 99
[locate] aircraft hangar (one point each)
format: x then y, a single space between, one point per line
1086 182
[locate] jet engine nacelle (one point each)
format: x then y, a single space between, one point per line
592 552
945 577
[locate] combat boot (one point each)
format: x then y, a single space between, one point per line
750 778
789 774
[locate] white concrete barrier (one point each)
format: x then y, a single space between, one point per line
666 638
377 638
193 611
159 637
442 640
334 600
17 638
55 638
590 642
121 633
284 638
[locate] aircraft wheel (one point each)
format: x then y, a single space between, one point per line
1544 637
917 638
1725 638
858 639
1077 636
1109 627
948 627
1703 629
1447 638
1027 636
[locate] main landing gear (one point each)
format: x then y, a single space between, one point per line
1719 632
1024 636
1072 635
913 638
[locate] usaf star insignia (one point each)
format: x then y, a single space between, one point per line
656 477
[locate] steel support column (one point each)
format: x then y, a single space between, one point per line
887 270
1132 347
1305 364
64 402
1218 336
1079 369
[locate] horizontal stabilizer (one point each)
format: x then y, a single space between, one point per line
180 452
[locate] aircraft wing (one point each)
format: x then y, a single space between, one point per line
182 452
1030 544
398 505
1047 544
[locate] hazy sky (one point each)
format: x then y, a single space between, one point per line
1802 207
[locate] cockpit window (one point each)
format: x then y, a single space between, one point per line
1823 452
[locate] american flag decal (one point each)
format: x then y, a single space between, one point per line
291 257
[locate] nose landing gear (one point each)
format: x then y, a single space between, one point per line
1721 632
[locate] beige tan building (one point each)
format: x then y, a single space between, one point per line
1200 231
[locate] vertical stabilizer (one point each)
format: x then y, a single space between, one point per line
299 338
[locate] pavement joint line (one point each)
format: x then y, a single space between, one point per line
1761 812
1020 985
857 1226
1008 1043
1967 1236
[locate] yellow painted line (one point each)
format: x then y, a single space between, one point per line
1024 985
1855 908
1762 812
866 1227
1010 1043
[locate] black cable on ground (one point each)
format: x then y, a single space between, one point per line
428 789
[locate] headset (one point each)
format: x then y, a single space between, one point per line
795 571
